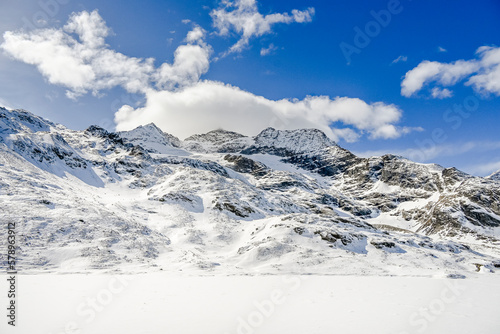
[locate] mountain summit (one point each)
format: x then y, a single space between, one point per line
293 141
282 201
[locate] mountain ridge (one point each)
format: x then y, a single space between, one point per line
282 201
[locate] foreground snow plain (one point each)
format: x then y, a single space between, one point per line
179 303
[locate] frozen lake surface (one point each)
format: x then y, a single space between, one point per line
167 303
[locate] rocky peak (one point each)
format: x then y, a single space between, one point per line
97 131
151 138
110 137
218 136
220 140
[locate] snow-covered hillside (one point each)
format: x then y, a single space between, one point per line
283 201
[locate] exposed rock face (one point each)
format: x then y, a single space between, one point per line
220 141
215 137
279 200
242 164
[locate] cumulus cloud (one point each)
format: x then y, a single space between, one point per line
196 35
483 74
208 105
78 58
90 27
487 80
243 18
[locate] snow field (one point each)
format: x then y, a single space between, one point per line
167 303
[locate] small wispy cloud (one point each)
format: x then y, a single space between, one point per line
4 103
441 49
400 59
430 153
51 96
269 50
484 169
439 93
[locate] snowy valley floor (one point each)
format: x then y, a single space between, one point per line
168 303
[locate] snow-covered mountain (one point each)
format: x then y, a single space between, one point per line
151 138
282 201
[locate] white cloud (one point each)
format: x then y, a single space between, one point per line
85 63
483 74
349 135
243 17
190 62
441 49
415 78
487 80
270 49
78 58
90 28
209 105
400 59
196 35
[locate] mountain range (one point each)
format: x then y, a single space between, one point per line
284 201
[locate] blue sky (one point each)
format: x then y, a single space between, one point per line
444 57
